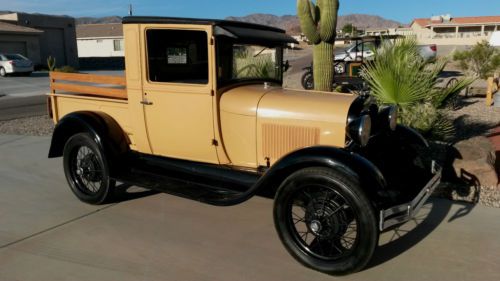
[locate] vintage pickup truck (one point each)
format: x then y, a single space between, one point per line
201 113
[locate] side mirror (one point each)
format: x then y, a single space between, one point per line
286 66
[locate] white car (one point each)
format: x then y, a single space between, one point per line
366 51
357 52
15 63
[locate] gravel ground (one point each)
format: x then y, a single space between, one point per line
31 126
474 118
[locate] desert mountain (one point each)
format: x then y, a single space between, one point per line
292 26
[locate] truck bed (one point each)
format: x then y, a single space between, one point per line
71 92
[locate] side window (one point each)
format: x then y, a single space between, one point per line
177 56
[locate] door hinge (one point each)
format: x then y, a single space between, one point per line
215 142
212 93
212 41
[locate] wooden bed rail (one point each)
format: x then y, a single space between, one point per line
116 91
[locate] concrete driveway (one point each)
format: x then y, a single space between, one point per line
46 234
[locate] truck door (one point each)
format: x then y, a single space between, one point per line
177 92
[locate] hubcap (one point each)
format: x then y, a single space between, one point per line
315 227
88 173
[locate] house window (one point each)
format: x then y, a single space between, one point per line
177 56
118 45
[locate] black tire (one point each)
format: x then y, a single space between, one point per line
87 171
307 80
27 74
345 210
3 73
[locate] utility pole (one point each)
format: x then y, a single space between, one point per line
130 13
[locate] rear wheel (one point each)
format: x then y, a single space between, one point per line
3 73
86 170
325 221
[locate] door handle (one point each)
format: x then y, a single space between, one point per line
146 102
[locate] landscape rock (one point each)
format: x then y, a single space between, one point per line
475 160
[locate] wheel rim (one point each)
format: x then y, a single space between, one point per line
309 83
322 222
2 72
86 170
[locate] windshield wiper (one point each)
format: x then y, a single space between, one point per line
260 52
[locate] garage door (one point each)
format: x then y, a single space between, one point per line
13 47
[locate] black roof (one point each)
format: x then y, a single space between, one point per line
248 31
221 23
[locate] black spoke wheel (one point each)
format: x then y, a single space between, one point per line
86 170
308 80
325 221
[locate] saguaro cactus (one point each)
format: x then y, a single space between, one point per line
319 23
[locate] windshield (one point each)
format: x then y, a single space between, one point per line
237 62
14 57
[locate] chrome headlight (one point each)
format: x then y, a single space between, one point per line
388 117
359 130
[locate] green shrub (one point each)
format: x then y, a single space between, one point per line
51 63
66 69
481 61
399 76
254 67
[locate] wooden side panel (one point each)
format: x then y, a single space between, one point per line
89 84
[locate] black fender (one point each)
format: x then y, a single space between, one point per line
103 128
371 179
411 135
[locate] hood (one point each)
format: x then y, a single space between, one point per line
276 102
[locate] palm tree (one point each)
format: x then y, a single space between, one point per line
399 76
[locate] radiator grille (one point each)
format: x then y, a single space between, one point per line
278 140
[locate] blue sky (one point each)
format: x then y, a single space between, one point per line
401 10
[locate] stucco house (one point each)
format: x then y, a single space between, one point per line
22 40
100 40
56 37
448 30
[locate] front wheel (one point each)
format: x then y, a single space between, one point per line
307 80
87 170
325 221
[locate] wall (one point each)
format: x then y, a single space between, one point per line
98 47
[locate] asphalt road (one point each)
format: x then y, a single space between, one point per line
20 86
47 234
20 107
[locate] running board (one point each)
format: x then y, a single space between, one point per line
189 190
212 184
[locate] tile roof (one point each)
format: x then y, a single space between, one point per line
13 28
457 21
99 30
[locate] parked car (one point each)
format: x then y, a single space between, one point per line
201 113
428 52
15 63
349 62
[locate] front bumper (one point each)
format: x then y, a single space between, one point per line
402 213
